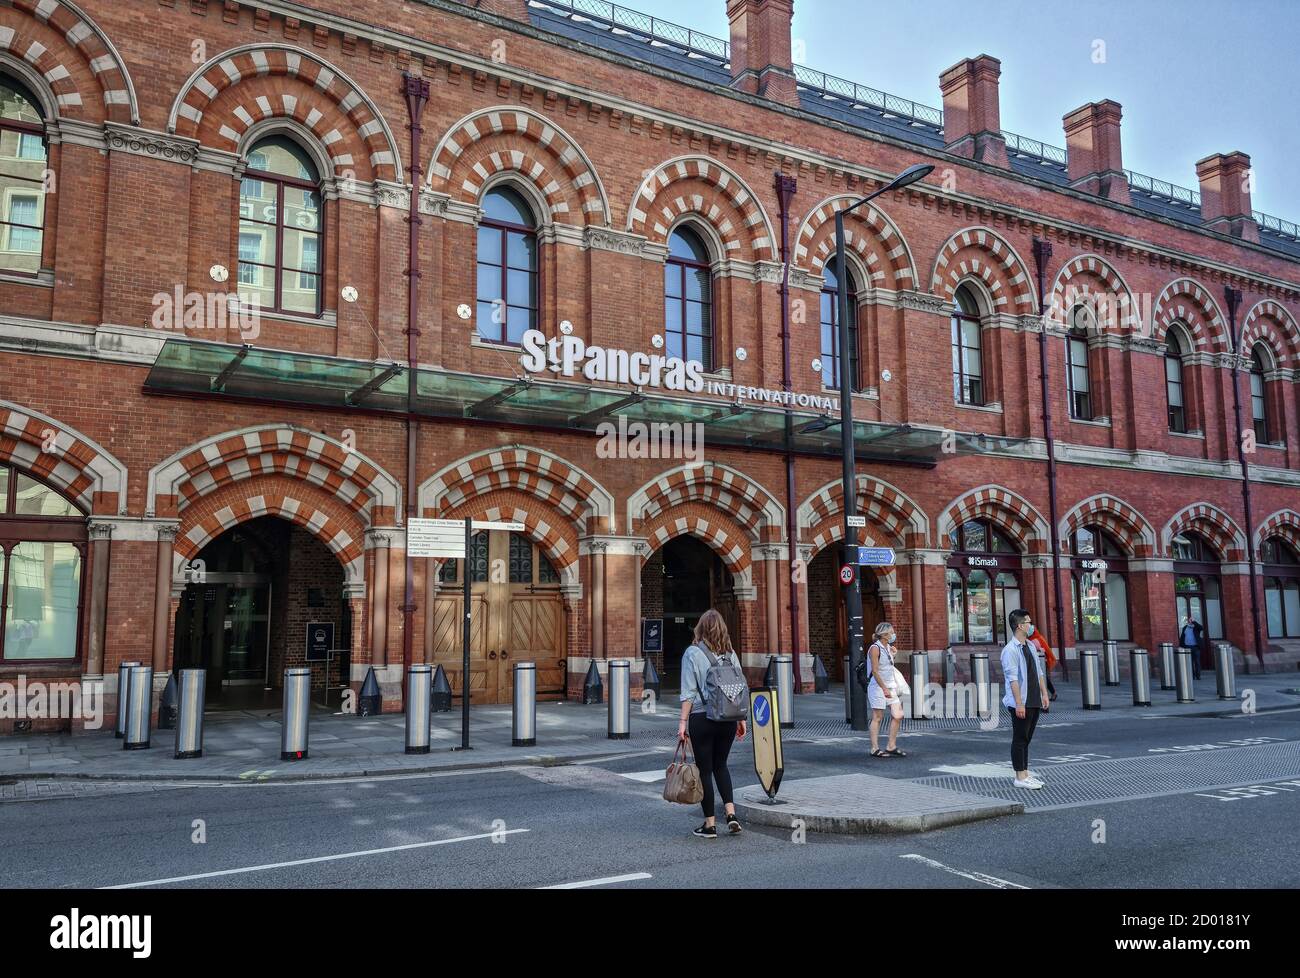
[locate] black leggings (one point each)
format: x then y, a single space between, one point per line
711 741
1022 732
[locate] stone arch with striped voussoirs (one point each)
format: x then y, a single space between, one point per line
869 233
722 534
1091 281
897 517
78 64
1272 324
719 486
1129 527
831 532
511 139
705 187
1220 529
1010 511
62 456
1186 301
304 456
236 90
573 493
1285 523
982 253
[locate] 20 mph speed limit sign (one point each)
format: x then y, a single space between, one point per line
846 574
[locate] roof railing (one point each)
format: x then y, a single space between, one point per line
1024 146
862 96
653 30
1153 187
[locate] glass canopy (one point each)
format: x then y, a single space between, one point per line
224 371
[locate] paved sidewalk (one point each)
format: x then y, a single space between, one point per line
246 745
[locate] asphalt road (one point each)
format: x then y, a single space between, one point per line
590 823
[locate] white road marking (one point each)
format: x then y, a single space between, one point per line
645 777
626 878
618 757
984 878
315 859
998 770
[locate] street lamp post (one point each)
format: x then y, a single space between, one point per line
853 596
1233 298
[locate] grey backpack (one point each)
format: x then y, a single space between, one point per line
726 691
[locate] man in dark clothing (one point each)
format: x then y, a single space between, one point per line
1190 638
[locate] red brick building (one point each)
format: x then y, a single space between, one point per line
184 177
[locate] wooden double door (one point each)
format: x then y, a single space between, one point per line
517 616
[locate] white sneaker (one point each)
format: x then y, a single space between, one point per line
1027 782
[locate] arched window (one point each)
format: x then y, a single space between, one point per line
1197 593
42 544
1077 375
1258 397
983 579
22 179
830 320
281 229
967 357
528 563
1100 586
688 298
508 299
1175 395
1281 588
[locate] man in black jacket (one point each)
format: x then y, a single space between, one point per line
1190 638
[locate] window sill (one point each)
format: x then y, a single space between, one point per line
44 279
477 342
867 394
994 407
1195 435
1094 422
328 319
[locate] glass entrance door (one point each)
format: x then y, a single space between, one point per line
223 626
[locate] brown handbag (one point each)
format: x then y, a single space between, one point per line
682 784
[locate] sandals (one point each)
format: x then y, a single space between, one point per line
896 753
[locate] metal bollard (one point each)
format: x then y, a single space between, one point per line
1139 668
821 678
979 675
138 708
848 692
440 701
1110 661
620 691
419 709
189 720
293 721
920 679
167 704
1167 665
949 667
1090 678
123 694
1183 672
593 690
1224 675
523 728
650 679
785 689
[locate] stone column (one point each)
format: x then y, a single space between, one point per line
379 543
100 537
162 599
597 550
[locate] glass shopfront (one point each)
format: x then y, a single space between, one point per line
1099 586
1281 588
983 584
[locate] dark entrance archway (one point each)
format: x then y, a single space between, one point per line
680 582
827 629
244 618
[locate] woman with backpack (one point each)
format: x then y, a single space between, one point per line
710 672
883 689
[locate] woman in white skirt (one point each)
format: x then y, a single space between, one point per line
883 691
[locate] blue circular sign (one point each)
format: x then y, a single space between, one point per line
762 710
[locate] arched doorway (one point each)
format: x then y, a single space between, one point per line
680 582
1198 593
244 615
827 625
518 616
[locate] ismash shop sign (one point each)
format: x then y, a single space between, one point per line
570 356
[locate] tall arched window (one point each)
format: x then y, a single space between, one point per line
830 322
42 544
281 229
1259 397
983 579
22 179
1100 586
1281 588
688 298
508 296
1175 391
967 356
1197 591
1077 375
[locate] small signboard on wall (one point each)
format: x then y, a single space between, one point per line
652 634
320 640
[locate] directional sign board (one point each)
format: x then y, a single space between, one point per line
446 538
765 723
876 556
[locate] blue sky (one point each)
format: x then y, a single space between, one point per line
1195 77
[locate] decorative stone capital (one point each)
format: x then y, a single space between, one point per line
392 195
145 142
99 531
619 242
444 206
802 279
379 539
925 302
167 534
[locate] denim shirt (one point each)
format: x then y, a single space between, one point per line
695 669
1016 669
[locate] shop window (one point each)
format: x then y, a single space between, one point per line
983 582
688 298
280 227
508 292
1099 586
830 329
23 162
1281 588
967 352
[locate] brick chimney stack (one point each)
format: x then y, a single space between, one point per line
1092 146
1225 195
972 119
761 60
